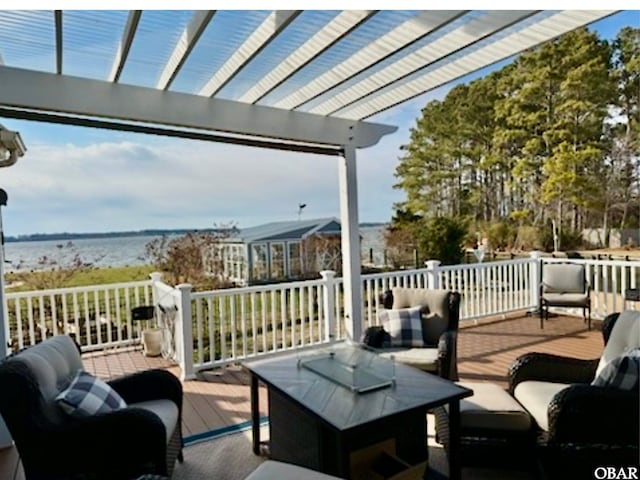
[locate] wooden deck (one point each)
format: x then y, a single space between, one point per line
221 398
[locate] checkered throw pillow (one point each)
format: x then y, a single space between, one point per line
88 395
404 326
621 372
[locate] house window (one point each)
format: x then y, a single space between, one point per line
295 259
277 260
259 269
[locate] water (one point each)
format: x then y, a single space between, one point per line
122 251
101 252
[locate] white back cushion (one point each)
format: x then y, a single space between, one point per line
625 336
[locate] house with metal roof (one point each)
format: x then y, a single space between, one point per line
282 250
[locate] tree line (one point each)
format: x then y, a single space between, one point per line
552 137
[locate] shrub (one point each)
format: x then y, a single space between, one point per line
442 239
501 235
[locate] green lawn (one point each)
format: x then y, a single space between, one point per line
93 276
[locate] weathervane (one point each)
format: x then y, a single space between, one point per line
300 207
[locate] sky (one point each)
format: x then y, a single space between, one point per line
76 179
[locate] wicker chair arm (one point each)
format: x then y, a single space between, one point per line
121 444
607 325
448 355
149 385
551 368
585 414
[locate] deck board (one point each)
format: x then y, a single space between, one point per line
220 398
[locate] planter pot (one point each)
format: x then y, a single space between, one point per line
152 341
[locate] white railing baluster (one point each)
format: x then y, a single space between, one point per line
311 311
223 326
243 316
283 318
199 331
301 303
265 333
18 308
254 324
274 322
292 314
212 330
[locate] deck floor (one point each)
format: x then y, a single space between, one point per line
220 398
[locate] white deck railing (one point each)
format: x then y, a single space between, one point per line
99 316
219 327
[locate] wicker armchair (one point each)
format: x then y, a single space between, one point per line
144 438
440 319
581 426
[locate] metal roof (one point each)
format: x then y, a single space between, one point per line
290 230
252 69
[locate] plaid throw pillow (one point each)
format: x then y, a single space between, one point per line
621 372
88 395
404 326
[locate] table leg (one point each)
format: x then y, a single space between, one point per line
255 414
454 440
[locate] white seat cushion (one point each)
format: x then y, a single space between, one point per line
272 470
165 409
491 407
625 336
535 397
423 358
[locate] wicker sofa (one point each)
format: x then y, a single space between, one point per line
440 318
143 438
582 426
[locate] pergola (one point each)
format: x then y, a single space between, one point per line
304 81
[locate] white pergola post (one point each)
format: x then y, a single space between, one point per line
350 232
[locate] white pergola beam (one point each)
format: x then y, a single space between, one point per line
528 37
266 32
58 27
125 45
461 37
332 32
183 48
350 234
400 37
47 92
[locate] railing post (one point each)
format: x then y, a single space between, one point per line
329 304
184 333
156 277
433 279
534 279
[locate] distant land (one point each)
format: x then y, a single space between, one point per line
37 237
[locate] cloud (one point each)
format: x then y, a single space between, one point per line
175 183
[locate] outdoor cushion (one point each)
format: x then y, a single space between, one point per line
54 364
624 337
165 409
566 299
563 278
88 395
622 372
420 357
273 470
404 326
435 309
535 397
492 408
